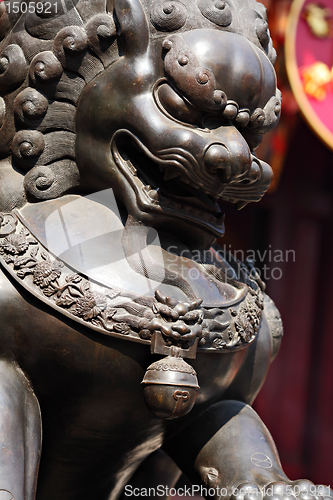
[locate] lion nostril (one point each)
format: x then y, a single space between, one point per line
217 160
254 172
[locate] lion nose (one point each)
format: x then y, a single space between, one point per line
230 162
217 160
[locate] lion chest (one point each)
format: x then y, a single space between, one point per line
76 371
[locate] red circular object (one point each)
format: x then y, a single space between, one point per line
309 41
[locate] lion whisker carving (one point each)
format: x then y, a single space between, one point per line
166 187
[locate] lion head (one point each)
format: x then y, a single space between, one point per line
163 101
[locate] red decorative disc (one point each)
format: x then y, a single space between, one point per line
309 59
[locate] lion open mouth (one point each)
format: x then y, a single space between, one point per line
161 187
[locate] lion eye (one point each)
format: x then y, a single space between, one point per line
177 107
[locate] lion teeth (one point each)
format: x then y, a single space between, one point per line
131 168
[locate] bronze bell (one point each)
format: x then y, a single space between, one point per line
170 387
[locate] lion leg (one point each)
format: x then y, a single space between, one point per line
229 449
20 435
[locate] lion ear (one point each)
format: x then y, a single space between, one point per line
133 25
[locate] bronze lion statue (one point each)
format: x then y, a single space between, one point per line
131 346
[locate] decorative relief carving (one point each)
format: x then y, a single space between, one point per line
111 312
248 317
13 68
168 15
45 67
216 11
168 365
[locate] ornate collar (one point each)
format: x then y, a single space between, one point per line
171 323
